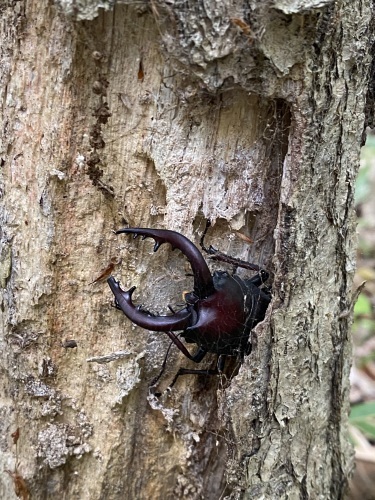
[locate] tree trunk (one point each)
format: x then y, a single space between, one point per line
163 115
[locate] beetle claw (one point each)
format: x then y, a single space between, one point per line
203 283
174 322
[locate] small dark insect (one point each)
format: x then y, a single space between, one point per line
69 344
219 313
105 273
15 435
141 73
19 484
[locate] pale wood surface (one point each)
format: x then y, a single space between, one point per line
256 125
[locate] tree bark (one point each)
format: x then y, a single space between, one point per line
164 115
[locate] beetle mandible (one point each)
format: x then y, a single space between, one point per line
218 314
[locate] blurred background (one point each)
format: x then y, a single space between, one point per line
362 397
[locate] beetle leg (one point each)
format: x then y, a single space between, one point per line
203 284
259 278
188 371
223 257
210 250
197 357
221 362
155 380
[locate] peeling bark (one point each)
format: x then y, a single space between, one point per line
163 115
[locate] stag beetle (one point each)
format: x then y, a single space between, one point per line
219 313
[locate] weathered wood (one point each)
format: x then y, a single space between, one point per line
163 115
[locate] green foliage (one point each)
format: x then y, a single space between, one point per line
362 306
363 187
362 416
364 321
